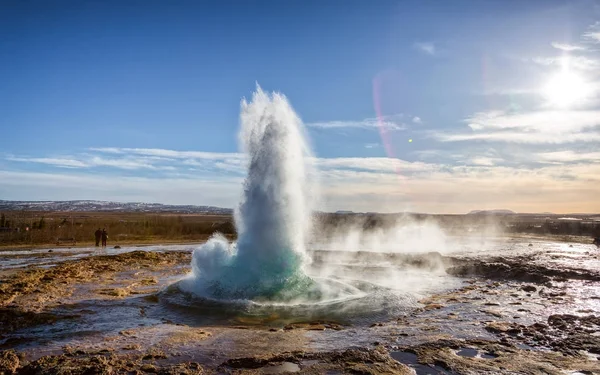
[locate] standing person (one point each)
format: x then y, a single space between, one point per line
104 237
98 235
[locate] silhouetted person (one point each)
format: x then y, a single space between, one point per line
98 235
104 237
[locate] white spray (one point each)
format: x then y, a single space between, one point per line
273 218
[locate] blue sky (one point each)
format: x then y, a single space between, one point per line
139 100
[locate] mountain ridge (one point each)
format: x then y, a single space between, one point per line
108 206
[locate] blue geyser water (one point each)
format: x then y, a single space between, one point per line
273 218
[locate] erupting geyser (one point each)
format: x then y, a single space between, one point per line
273 218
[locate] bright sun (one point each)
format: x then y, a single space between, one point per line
566 89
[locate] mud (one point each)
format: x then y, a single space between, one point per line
520 268
565 333
536 312
36 288
487 357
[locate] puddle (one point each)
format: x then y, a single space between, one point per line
474 353
279 369
468 352
410 359
405 357
309 362
488 355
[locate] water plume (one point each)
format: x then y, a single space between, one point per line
273 218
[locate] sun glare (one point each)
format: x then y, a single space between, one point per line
566 89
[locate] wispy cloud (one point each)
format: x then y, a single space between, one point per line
567 47
372 164
62 186
426 47
575 62
568 156
168 153
593 33
543 121
417 120
536 127
126 163
393 122
520 137
372 145
484 161
58 162
367 184
133 159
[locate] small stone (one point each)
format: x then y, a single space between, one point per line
149 368
529 288
498 327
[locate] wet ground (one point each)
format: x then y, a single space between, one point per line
503 306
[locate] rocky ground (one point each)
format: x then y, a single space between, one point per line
525 314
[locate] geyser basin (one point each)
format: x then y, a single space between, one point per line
355 289
267 272
358 294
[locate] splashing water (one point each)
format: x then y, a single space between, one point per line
273 218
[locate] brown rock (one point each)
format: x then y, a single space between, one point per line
9 362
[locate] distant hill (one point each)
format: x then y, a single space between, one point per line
491 212
104 206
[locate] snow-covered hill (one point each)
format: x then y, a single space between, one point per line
90 205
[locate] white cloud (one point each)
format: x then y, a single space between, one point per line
85 161
426 47
568 156
593 33
133 159
169 153
366 184
223 192
372 145
417 120
386 122
536 127
575 62
484 161
374 166
567 47
58 162
520 137
126 163
547 121
462 188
